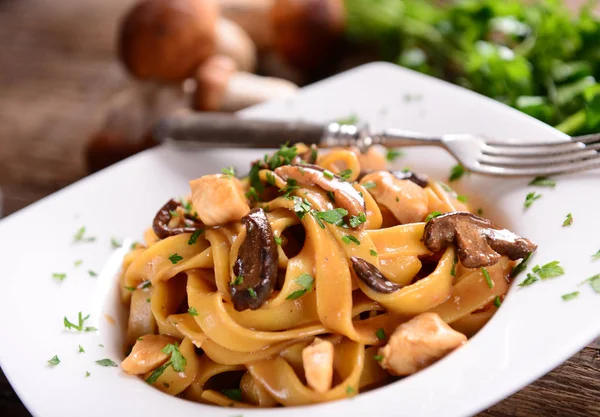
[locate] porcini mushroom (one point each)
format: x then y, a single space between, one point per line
372 277
166 40
307 32
161 224
253 17
480 242
220 87
234 42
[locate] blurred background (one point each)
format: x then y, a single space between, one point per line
83 81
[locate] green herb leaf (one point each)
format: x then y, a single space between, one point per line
334 216
238 280
270 178
77 262
252 292
59 276
81 350
378 358
568 220
92 273
54 360
456 173
87 374
596 255
529 280
380 333
157 373
453 270
115 243
234 394
251 194
352 119
177 359
301 207
106 362
487 277
306 281
80 236
543 182
328 174
80 322
594 282
393 154
194 237
349 238
174 258
432 216
372 252
346 174
229 172
283 156
530 198
549 270
193 312
497 302
462 198
570 296
522 266
369 184
356 221
277 240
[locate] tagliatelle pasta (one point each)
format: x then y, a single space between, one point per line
283 288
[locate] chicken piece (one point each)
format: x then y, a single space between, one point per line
418 343
218 199
407 201
317 359
147 354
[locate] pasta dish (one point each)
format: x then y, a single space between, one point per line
318 276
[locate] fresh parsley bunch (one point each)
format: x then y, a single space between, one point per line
537 57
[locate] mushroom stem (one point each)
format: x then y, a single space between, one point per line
234 42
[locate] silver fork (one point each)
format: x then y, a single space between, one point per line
474 152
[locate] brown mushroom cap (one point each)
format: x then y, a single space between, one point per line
479 241
372 277
256 263
306 32
160 226
212 78
166 40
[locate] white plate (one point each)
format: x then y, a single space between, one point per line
533 331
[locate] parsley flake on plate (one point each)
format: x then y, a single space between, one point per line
81 237
522 266
594 282
157 373
350 390
393 154
59 276
596 255
378 358
306 281
543 182
529 280
550 270
568 220
80 323
570 296
115 243
54 360
81 350
77 262
87 374
251 194
457 172
530 198
92 273
107 362
328 174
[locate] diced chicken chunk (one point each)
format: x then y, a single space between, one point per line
147 354
218 199
317 359
407 201
418 343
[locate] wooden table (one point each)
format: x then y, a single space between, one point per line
57 69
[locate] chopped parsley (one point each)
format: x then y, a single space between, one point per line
596 255
174 258
301 207
115 243
543 182
234 394
350 390
229 172
87 374
334 216
369 185
328 174
283 156
92 273
432 216
291 185
331 196
522 266
177 359
106 362
487 277
568 220
356 221
378 358
497 302
462 198
352 119
157 373
349 238
81 349
570 296
529 280
54 360
380 333
77 262
277 240
238 280
81 237
193 312
549 270
270 178
80 323
346 174
252 292
251 194
59 276
456 172
530 198
453 270
372 252
194 237
393 154
306 281
594 282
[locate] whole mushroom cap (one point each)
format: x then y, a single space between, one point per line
166 40
212 78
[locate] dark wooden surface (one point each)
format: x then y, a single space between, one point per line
57 69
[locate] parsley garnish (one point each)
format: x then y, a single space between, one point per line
372 252
277 240
238 280
328 174
283 156
530 198
522 266
393 154
301 207
378 358
291 185
251 194
234 394
115 243
568 220
87 374
306 281
80 236
157 373
349 238
331 196
229 172
497 302
177 359
54 360
432 216
543 182
193 312
92 273
252 292
594 282
596 255
174 258
77 262
106 362
369 184
529 280
456 172
380 333
550 270
346 174
487 277
356 221
350 390
454 262
570 296
270 178
334 216
194 237
79 326
462 198
173 213
81 349
59 276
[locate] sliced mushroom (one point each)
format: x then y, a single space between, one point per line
256 263
419 179
344 194
163 217
372 277
480 242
